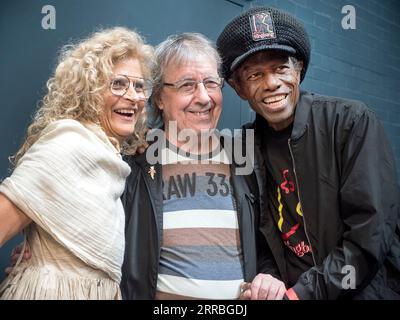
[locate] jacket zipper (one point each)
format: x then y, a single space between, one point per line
250 202
239 202
298 195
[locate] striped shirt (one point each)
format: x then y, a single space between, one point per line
201 255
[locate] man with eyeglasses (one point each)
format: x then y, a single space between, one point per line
191 222
330 197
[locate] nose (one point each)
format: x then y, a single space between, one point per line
131 94
201 94
271 82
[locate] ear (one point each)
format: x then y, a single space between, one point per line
236 86
160 105
300 68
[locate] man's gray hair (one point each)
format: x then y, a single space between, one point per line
297 64
178 48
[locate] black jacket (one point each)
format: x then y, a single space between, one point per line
143 203
346 178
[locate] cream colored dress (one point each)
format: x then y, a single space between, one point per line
69 183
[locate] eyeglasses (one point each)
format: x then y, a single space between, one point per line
119 86
189 86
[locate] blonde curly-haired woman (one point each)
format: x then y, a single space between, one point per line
65 188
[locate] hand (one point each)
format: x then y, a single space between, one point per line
15 253
263 287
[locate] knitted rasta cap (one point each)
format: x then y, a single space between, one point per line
258 29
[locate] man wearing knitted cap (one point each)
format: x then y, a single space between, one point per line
328 190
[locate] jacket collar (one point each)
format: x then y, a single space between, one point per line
302 113
152 174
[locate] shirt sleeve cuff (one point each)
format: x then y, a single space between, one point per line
291 294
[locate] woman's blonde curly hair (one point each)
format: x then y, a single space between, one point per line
83 73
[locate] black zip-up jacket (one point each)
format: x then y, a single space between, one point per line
143 203
346 177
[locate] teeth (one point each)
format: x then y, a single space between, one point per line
125 111
201 113
275 99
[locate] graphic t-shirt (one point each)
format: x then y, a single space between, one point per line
287 210
201 255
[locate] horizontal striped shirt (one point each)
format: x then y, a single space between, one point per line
201 255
